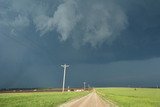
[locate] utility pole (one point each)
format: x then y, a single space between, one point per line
64 75
84 83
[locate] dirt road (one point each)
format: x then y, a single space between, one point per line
91 100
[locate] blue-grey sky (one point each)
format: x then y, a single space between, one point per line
105 42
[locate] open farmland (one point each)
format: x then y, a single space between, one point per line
37 99
131 97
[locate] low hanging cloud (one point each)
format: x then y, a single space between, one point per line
97 21
83 22
64 20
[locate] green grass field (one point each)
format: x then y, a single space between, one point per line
38 99
129 97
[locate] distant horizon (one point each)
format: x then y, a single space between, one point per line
81 87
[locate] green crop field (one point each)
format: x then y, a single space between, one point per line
37 99
131 97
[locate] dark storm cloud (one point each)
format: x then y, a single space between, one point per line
122 73
69 18
36 36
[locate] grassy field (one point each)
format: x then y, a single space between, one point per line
129 97
37 99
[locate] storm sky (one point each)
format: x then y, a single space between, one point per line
105 42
